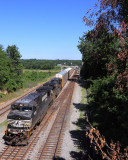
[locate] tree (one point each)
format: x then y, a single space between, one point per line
4 69
113 14
96 52
15 68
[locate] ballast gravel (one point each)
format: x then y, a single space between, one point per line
68 145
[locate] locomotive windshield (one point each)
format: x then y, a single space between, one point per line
21 107
26 108
15 107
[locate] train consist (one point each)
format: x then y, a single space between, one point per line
29 111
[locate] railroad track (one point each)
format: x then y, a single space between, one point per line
51 144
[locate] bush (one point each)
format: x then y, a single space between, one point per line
31 77
1 95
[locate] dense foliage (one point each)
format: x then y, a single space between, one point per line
97 52
10 69
47 64
31 77
105 64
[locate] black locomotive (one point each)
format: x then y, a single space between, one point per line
27 112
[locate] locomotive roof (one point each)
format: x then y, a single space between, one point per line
56 79
44 88
49 83
60 74
52 82
29 98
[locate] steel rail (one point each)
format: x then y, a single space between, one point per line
59 143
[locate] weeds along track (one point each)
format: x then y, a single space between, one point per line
51 144
6 107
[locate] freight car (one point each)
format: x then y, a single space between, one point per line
25 114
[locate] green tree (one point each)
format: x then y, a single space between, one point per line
105 56
4 69
96 52
15 65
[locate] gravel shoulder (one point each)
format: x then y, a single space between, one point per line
68 145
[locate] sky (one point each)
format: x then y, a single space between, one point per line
44 29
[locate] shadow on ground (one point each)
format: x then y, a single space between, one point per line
84 151
80 140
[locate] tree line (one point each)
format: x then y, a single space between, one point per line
47 64
104 52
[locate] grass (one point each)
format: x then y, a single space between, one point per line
82 109
81 121
56 69
3 124
83 101
84 96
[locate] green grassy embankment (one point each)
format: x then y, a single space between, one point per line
31 78
82 109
